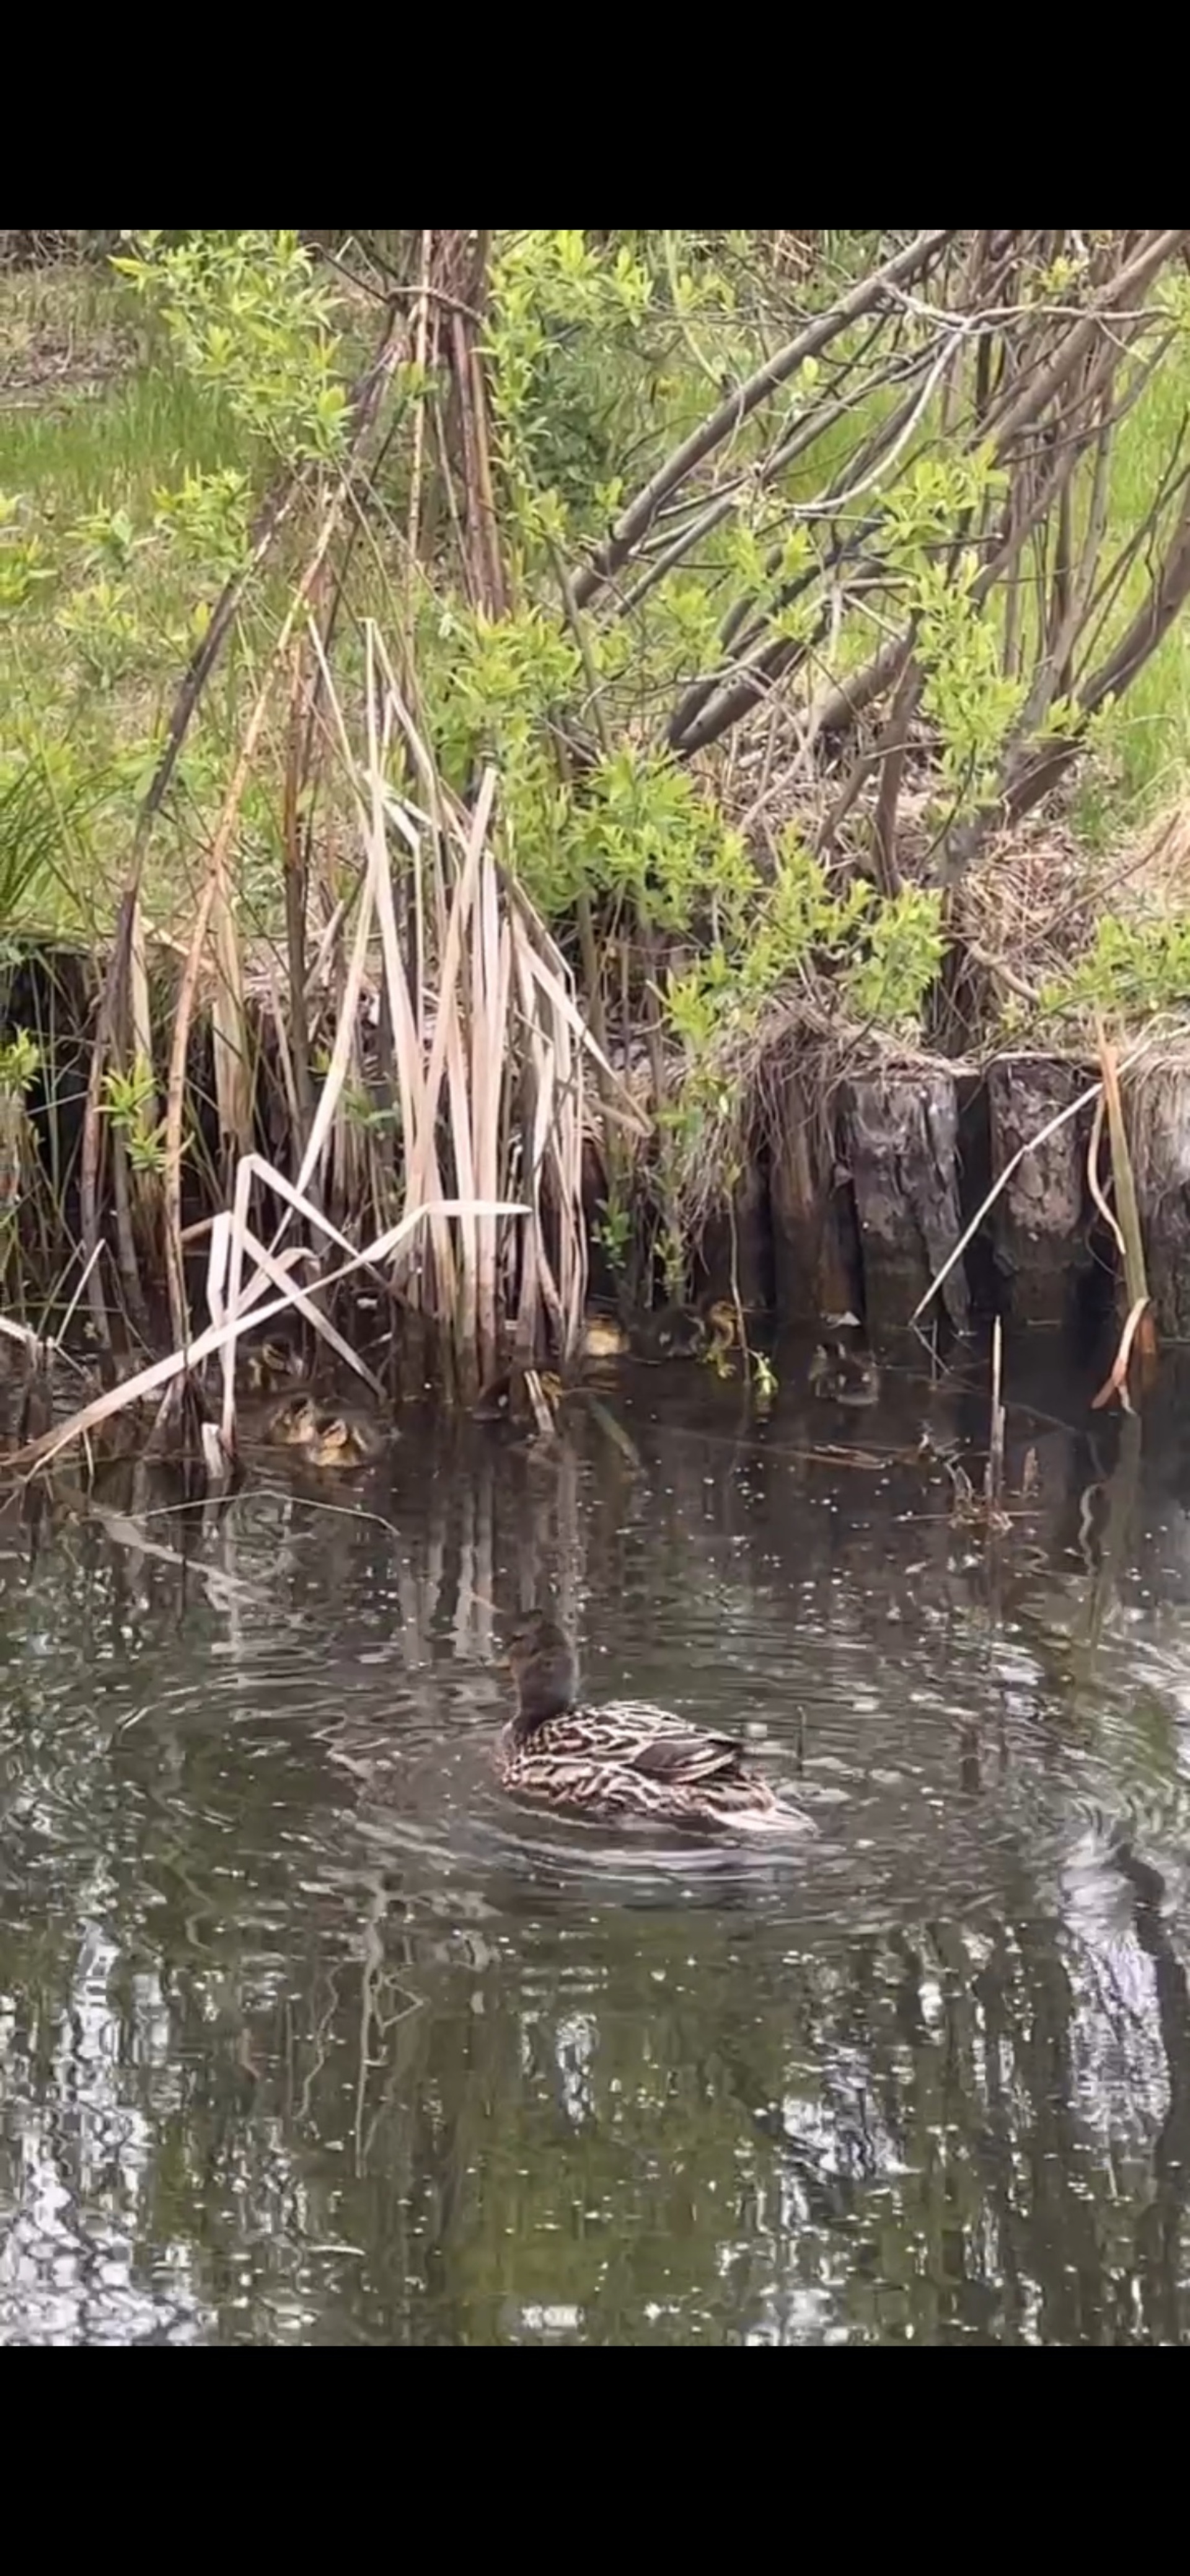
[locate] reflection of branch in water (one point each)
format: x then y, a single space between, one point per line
1159 2229
1122 1487
323 2024
1061 2215
372 1979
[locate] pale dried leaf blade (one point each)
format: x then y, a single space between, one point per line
1117 1383
1094 1183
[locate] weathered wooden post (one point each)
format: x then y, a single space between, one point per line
901 1129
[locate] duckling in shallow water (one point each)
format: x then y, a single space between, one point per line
673 1332
630 1760
721 1324
506 1398
603 1338
844 1377
263 1368
343 1440
293 1422
326 1438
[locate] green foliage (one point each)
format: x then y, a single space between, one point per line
121 523
791 926
125 515
880 955
20 1063
247 316
958 640
1134 969
902 953
129 1100
562 317
614 1232
645 831
22 564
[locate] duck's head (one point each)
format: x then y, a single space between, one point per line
722 1320
544 1668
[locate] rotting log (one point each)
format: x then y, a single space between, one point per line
1157 1108
901 1130
1040 1223
814 1261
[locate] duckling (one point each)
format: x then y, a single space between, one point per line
844 1377
721 1321
265 1367
631 1760
293 1422
505 1399
325 1438
343 1440
670 1333
603 1338
122 1434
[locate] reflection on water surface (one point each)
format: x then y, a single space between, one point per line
306 2035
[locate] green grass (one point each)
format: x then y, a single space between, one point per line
1154 723
93 422
118 446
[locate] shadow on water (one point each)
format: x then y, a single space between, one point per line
307 2035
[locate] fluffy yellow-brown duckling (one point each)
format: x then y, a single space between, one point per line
673 1332
293 1422
722 1330
604 1337
344 1440
325 1437
627 1760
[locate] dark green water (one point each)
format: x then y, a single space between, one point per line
307 2036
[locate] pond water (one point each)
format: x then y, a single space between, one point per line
307 2035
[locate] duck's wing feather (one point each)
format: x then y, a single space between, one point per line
656 1743
689 1757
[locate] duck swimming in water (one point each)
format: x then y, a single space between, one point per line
630 1760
